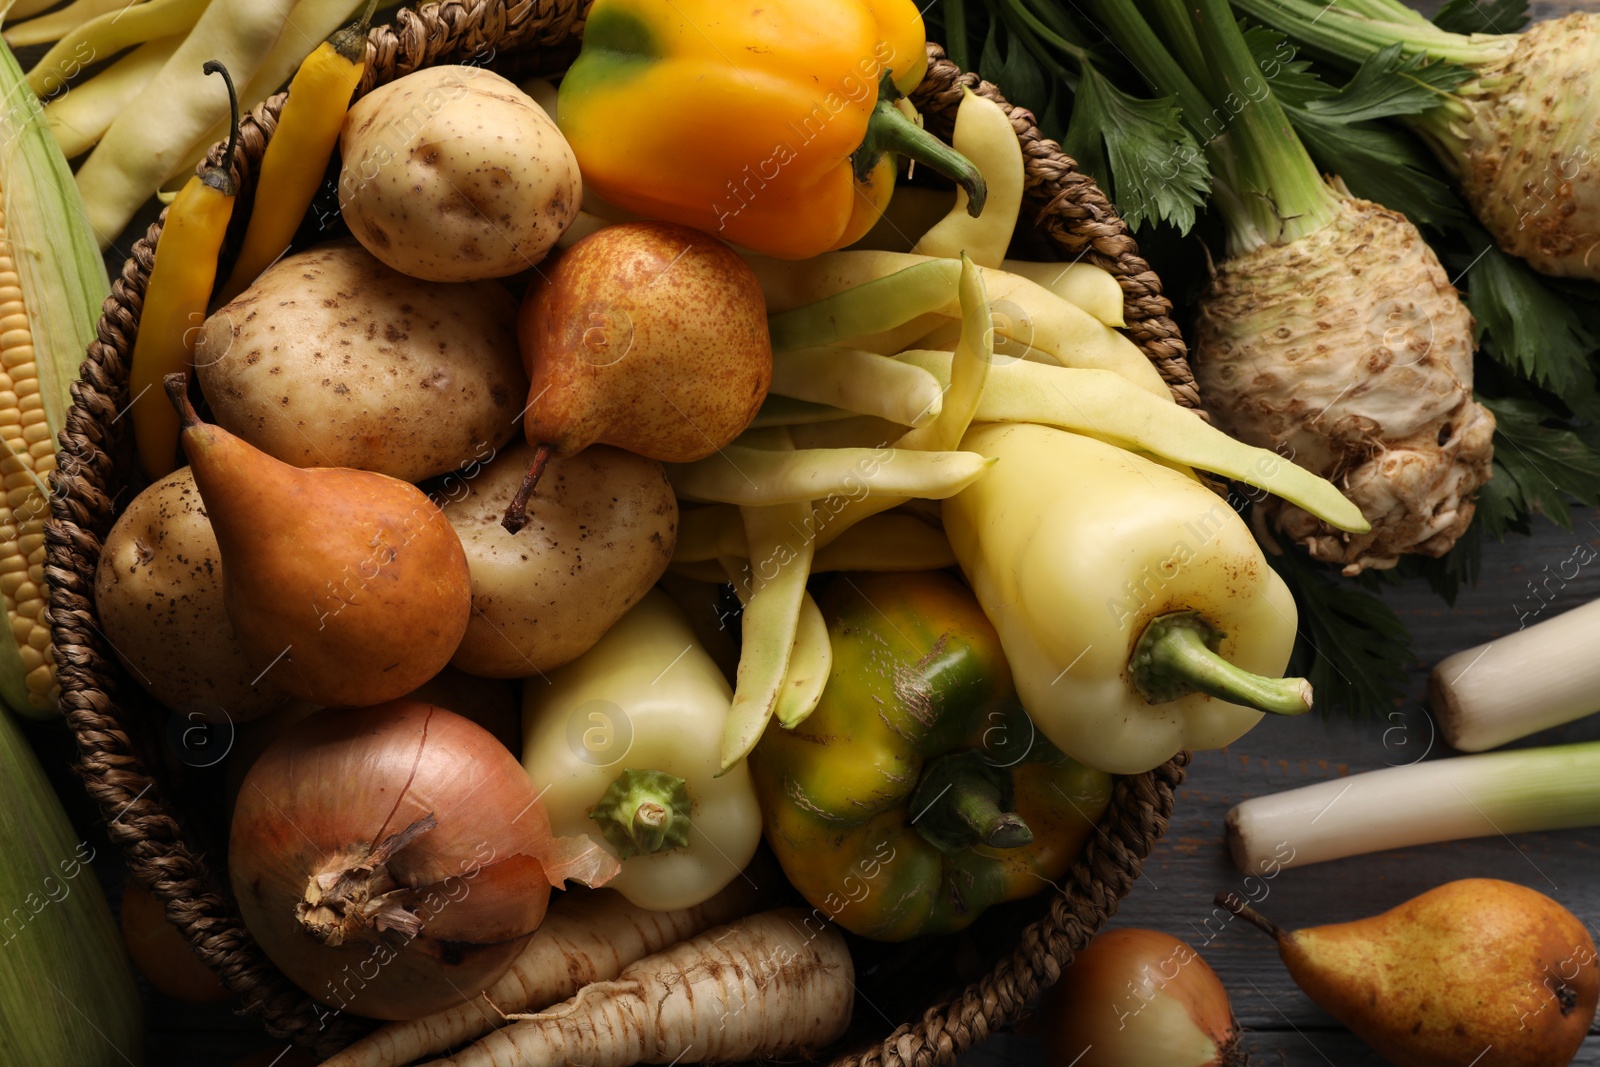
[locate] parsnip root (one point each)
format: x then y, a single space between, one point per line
588 936
766 986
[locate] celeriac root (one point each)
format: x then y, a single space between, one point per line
1349 353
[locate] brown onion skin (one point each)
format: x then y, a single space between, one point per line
347 779
1096 984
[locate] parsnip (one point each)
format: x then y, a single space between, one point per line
588 936
767 986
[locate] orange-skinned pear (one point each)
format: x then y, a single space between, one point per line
349 587
1476 971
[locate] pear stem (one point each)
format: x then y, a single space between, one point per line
1235 903
516 516
177 387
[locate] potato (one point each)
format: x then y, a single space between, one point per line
454 174
600 532
331 359
158 591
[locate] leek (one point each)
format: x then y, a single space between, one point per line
1517 685
1419 804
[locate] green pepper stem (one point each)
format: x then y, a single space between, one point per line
962 801
644 812
888 130
1176 656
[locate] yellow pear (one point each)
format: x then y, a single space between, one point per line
347 587
644 335
1476 971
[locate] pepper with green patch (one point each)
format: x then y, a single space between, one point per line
917 794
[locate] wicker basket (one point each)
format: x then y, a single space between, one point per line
1016 953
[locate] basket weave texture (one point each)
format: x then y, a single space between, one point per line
119 760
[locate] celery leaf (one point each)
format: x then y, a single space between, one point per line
1530 329
1539 466
1139 151
1381 164
1291 78
1388 84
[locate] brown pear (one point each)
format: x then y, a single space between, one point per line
644 335
1476 971
348 587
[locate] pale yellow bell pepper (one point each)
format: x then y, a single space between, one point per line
1135 608
624 742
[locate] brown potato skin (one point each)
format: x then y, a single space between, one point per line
600 532
332 359
454 174
158 592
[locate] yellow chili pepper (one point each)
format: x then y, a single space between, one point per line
181 280
298 154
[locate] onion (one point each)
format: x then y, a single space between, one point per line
1135 997
161 954
394 860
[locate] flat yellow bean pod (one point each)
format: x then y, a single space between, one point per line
1101 405
757 477
983 134
857 381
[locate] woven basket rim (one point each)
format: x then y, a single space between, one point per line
95 474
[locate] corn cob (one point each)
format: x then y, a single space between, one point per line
52 283
66 989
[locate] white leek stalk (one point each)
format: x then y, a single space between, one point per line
1514 686
1419 804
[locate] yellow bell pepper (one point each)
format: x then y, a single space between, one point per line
1135 608
770 125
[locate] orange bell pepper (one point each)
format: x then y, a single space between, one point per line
773 126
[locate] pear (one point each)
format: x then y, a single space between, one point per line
603 534
645 335
349 587
1476 971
